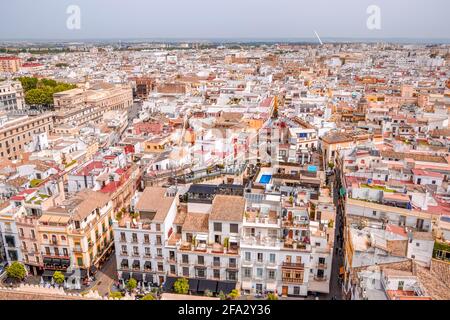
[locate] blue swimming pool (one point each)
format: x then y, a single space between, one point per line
265 178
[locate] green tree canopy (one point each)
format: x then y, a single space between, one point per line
131 284
181 286
58 277
148 297
272 296
16 271
28 83
234 294
116 295
40 91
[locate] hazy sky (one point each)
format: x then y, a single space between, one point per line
46 19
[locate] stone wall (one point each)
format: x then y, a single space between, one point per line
441 270
397 247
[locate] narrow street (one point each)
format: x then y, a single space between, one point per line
335 287
106 276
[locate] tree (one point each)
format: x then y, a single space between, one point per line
148 297
28 83
208 293
234 294
16 271
131 284
222 295
181 286
331 165
116 295
58 277
272 296
36 97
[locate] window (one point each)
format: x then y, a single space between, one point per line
248 256
296 291
260 257
172 269
134 236
271 274
124 249
200 273
259 272
146 238
158 240
122 236
374 213
216 274
65 252
185 258
272 258
232 276
247 273
147 251
136 251
159 252
185 271
417 244
158 227
217 227
234 228
201 260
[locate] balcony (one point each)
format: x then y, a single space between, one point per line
320 278
292 280
262 221
204 248
124 253
321 265
232 266
296 245
295 224
77 249
261 241
293 265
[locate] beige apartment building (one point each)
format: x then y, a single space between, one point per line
10 64
16 132
82 105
